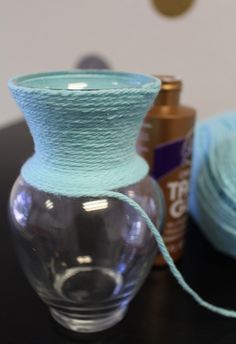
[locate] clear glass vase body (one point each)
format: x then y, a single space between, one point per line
85 257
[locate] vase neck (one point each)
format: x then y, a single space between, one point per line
84 141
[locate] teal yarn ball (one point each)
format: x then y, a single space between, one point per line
213 182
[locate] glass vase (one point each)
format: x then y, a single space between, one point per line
86 256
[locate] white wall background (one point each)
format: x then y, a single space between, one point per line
199 46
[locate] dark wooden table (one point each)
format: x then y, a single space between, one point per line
162 313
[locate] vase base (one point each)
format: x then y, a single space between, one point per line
88 326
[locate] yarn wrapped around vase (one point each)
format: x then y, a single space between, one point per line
67 163
213 183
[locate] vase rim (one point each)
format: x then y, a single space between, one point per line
85 81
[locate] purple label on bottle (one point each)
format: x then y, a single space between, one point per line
171 155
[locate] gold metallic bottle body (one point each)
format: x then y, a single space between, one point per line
166 144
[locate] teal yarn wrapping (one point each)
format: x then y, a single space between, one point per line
85 140
213 185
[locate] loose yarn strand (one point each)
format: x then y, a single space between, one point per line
177 274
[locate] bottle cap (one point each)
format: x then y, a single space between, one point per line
170 82
171 87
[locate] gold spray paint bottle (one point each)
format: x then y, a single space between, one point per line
166 144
